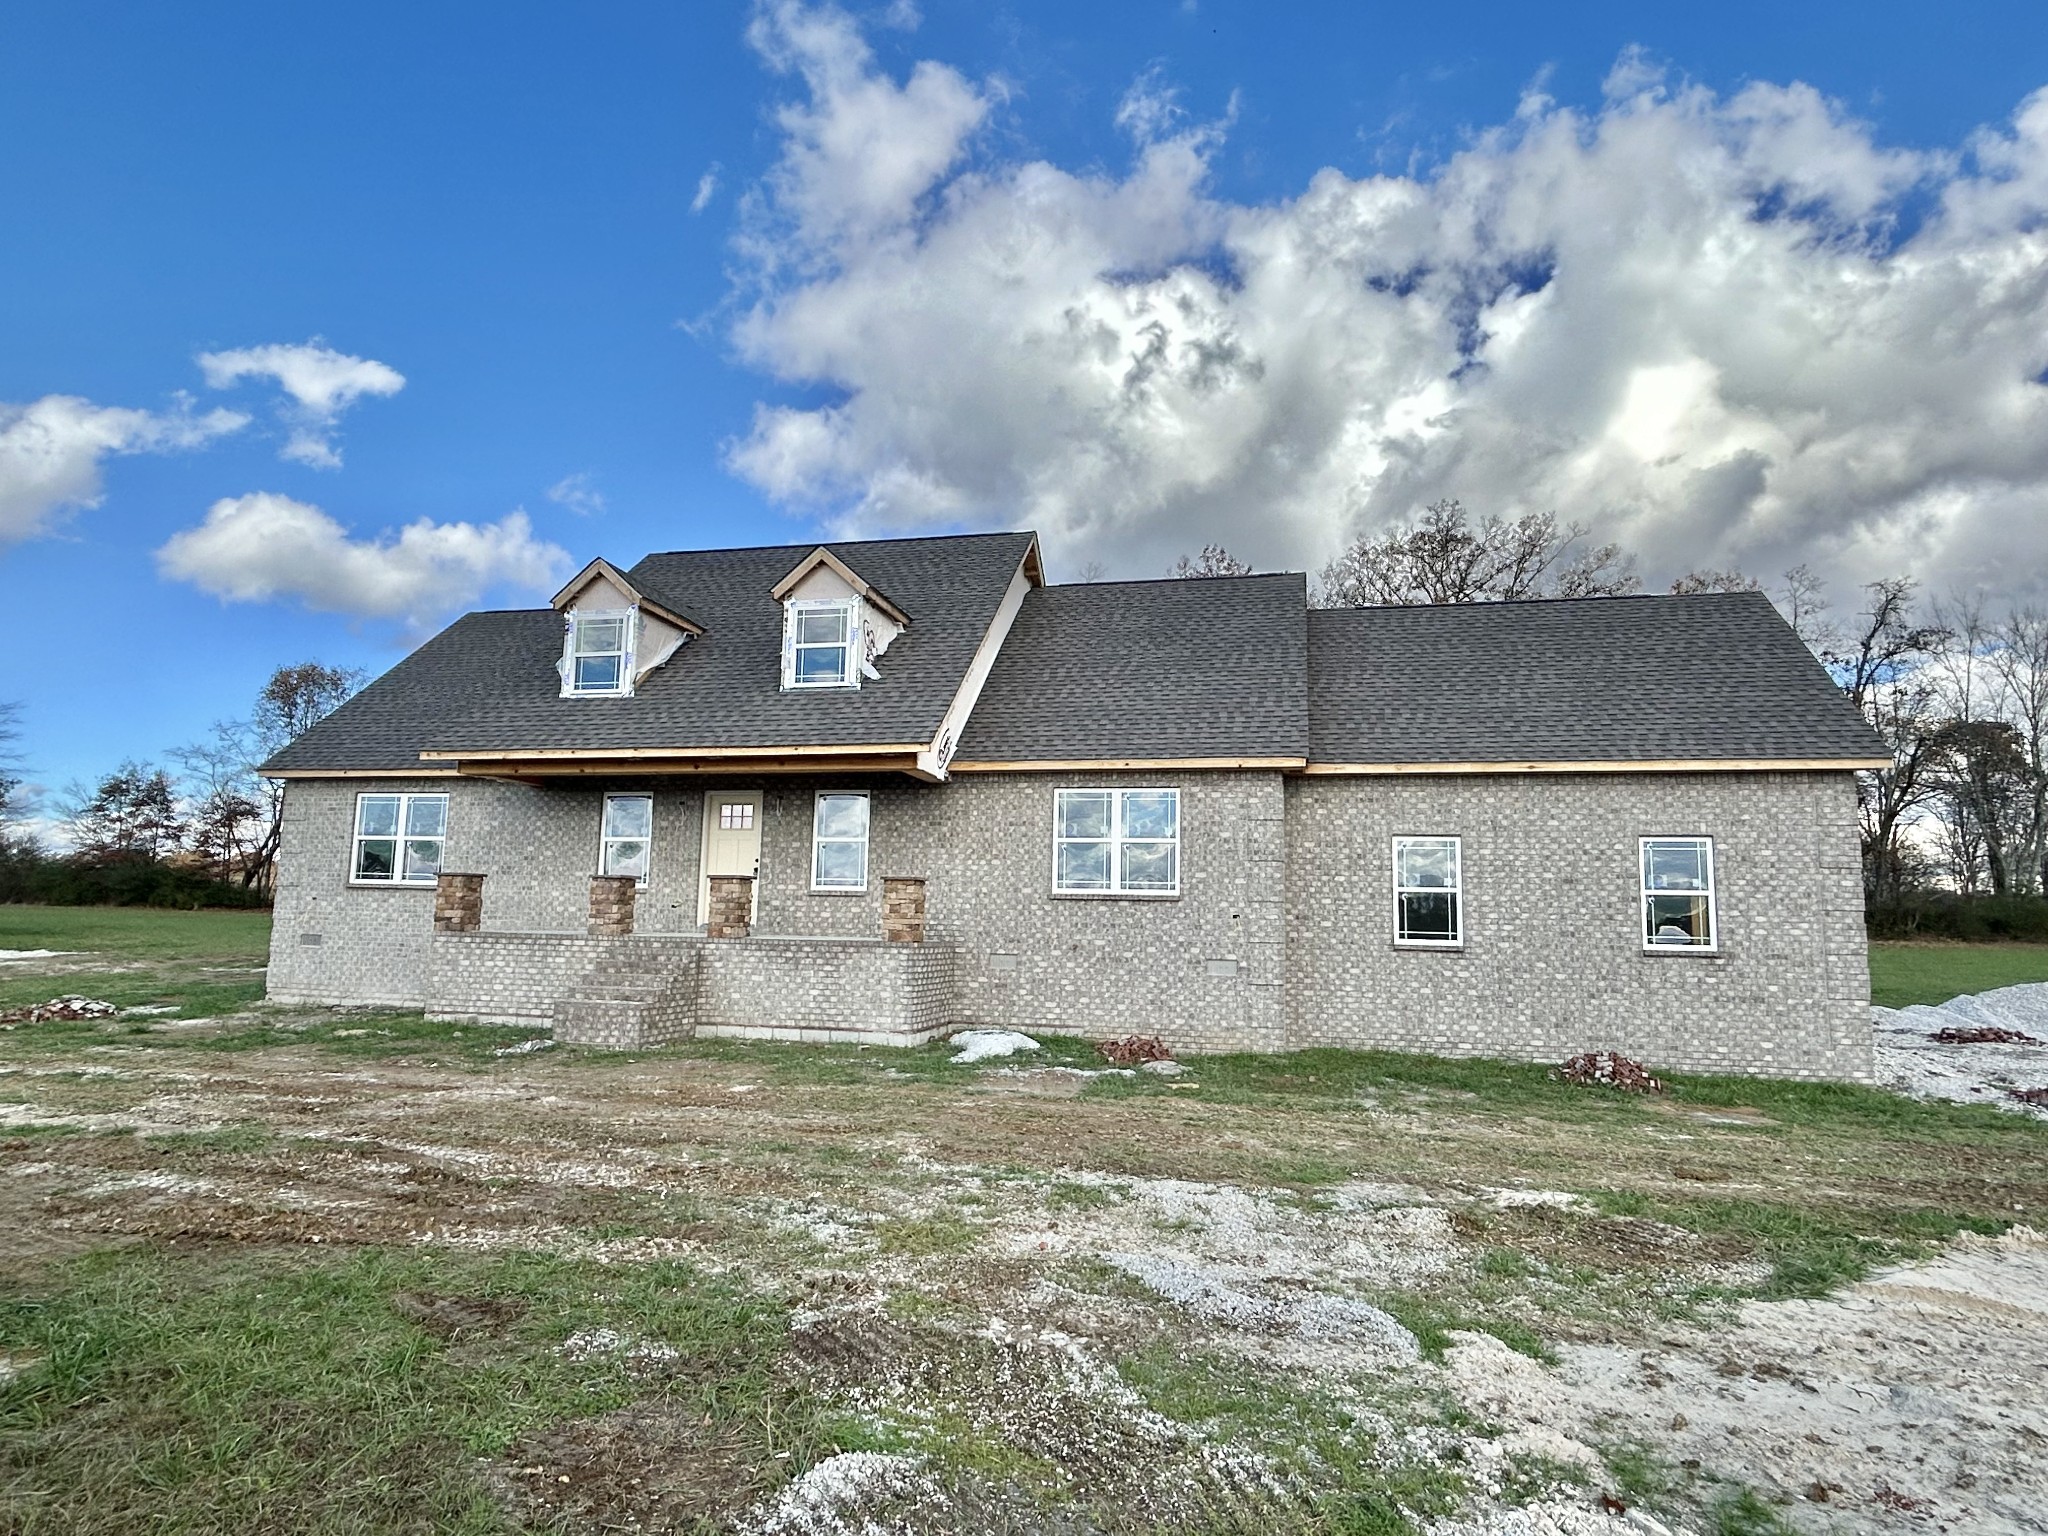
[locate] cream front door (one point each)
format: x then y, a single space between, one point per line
732 842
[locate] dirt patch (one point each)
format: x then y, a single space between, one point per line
447 1317
653 1466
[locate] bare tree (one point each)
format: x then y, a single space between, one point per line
15 803
1443 557
1214 560
1093 571
2019 659
132 813
1730 580
1883 667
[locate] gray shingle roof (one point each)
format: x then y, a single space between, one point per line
488 682
1717 675
1206 668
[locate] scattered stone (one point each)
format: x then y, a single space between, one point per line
1610 1069
982 1044
57 1008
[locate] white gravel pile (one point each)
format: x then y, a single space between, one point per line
1910 1061
981 1044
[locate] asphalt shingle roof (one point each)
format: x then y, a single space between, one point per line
1602 679
1215 667
488 682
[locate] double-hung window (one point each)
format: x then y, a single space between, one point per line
398 839
839 841
1429 892
823 639
1121 842
626 836
1678 893
601 652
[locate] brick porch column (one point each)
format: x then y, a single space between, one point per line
611 904
732 907
458 903
903 909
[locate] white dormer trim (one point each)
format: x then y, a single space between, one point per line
856 659
629 644
821 556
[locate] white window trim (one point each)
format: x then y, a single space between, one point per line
629 641
605 839
1456 889
1116 841
1645 892
817 804
398 881
850 606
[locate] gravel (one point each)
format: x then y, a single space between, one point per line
1911 1061
981 1044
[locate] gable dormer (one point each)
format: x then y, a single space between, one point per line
613 634
835 625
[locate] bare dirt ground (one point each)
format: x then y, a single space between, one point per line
1078 1312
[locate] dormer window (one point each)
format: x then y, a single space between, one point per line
601 652
822 646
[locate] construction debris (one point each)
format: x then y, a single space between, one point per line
1610 1069
1981 1034
1134 1050
60 1008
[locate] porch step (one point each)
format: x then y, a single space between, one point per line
628 1001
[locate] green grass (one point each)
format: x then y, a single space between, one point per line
188 1392
1905 973
139 933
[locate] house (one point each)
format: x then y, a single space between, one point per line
880 790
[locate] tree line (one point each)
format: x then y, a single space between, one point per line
200 831
1954 832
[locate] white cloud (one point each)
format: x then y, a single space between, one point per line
577 494
707 189
1727 329
261 547
321 382
50 452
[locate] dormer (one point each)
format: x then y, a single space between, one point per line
614 635
835 626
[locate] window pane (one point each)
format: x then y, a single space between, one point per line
842 816
1431 915
377 815
422 858
1676 920
376 858
628 856
1083 812
426 816
594 672
1083 867
736 816
628 815
1675 864
842 864
821 664
821 626
1151 813
594 635
1148 866
1427 861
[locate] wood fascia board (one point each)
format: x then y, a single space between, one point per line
1123 764
846 573
526 772
1639 765
611 573
655 754
982 662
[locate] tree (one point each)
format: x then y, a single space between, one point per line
1214 560
1883 667
1443 558
15 802
1979 768
132 814
1730 580
236 812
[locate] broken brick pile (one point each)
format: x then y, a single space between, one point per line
1981 1034
60 1008
1610 1069
1134 1050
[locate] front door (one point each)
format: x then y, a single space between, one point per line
732 843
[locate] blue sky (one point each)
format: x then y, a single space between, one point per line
596 242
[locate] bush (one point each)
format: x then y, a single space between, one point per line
26 875
1942 915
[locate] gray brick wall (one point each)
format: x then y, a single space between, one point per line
1553 960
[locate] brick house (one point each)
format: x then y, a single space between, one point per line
878 791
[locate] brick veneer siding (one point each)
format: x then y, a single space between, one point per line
903 910
1553 960
611 905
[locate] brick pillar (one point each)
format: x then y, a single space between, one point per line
611 904
903 909
458 903
732 907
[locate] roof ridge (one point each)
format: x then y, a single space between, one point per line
1484 604
806 546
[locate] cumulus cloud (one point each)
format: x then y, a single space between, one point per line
261 547
577 494
1727 329
50 452
320 382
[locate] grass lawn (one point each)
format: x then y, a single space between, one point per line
1933 972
